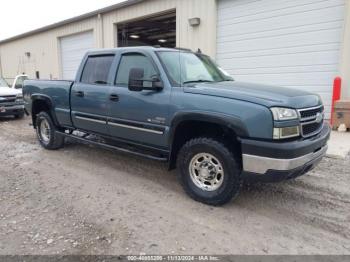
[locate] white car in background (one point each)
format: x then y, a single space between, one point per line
18 82
11 100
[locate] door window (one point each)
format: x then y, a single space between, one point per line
3 83
96 70
19 82
130 61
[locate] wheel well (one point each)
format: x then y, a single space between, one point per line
188 130
37 107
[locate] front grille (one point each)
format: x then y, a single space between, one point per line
310 113
7 99
311 120
312 128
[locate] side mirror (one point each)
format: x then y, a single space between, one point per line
137 82
136 79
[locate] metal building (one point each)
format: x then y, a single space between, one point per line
294 43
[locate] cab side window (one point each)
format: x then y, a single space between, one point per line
20 81
129 61
96 70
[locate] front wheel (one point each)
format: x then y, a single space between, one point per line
46 132
209 171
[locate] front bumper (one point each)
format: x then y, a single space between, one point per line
9 110
276 161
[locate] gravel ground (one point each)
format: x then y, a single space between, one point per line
85 200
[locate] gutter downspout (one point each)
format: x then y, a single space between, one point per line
345 54
101 29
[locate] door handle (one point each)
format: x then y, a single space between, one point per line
79 93
114 97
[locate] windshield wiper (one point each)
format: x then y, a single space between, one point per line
198 81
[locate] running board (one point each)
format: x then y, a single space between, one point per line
115 148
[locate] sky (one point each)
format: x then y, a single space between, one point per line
20 16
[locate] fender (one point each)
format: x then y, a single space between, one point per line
229 121
46 98
48 101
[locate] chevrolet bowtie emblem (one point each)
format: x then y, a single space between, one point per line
319 117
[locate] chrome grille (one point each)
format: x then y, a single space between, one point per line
311 120
310 113
7 99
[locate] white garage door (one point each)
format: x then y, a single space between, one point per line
291 43
73 49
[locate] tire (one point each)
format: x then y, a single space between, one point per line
48 138
20 115
207 155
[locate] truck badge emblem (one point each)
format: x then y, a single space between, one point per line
319 118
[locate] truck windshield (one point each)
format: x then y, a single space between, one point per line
186 68
3 83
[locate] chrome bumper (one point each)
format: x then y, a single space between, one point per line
260 165
14 107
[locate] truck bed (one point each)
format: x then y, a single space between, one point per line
56 91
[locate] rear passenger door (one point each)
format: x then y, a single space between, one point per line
90 102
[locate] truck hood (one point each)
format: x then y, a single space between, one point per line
6 91
256 93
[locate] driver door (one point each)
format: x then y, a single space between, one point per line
138 116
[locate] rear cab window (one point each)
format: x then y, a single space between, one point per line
96 69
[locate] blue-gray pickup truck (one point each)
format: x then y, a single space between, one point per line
178 106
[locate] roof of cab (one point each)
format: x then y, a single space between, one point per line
135 48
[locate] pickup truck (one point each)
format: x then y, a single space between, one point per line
11 101
18 81
178 106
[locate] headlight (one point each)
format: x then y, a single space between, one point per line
280 113
286 132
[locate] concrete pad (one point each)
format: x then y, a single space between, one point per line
339 145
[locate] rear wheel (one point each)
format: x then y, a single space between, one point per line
209 171
47 132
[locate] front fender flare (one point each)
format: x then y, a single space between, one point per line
229 121
232 122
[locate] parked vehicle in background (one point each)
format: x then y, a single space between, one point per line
19 81
11 101
179 106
